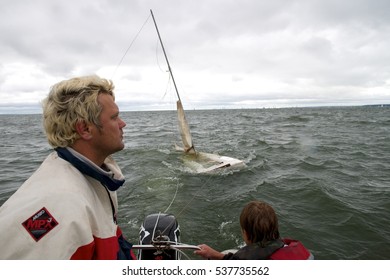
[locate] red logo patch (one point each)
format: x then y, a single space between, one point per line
39 224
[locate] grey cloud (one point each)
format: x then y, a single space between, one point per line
293 45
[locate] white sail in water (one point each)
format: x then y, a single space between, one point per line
184 130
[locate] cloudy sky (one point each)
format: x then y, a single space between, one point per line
223 53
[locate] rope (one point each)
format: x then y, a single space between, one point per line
181 252
155 226
185 206
173 199
193 197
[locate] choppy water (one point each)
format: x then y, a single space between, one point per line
326 171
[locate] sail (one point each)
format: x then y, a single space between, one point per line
184 129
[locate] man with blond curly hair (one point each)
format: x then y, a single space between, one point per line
67 208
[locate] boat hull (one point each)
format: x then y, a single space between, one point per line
211 163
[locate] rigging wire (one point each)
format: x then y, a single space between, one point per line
158 61
131 44
168 86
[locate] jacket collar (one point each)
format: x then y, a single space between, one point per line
87 167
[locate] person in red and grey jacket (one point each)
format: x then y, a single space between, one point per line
260 230
67 209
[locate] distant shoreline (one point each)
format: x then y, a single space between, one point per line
22 111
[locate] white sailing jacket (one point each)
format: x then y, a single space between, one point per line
60 213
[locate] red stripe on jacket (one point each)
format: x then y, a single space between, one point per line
100 249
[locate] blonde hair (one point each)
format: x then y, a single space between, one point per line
69 102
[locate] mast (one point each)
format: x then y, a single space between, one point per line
183 124
166 57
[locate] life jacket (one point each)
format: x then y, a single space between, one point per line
279 249
292 250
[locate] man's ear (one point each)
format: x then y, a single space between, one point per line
84 130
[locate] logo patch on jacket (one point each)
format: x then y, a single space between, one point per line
40 224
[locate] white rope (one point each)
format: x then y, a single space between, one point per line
173 199
155 226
